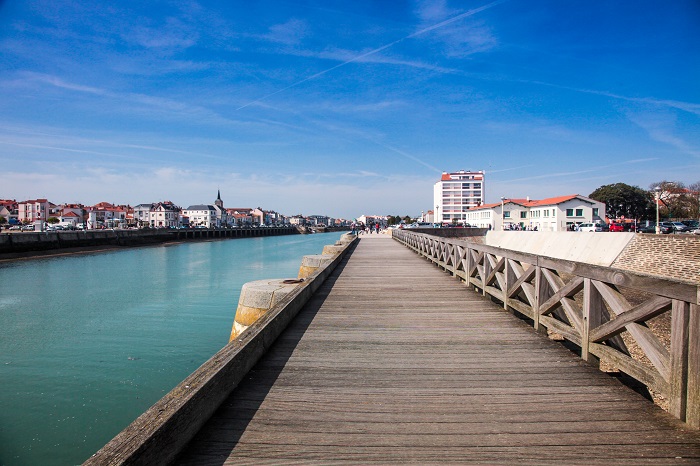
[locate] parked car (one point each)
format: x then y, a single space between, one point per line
617 227
677 227
692 224
592 227
651 228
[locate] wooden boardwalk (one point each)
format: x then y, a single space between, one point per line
395 361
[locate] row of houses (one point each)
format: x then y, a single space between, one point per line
163 214
560 213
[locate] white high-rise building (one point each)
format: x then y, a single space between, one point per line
456 193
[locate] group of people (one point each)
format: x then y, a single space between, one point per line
519 227
360 228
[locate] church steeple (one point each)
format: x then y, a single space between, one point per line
219 202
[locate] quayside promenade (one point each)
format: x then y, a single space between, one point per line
393 360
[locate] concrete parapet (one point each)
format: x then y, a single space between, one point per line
257 298
590 248
310 264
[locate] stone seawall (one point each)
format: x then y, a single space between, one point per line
22 243
674 256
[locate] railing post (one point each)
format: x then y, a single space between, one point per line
468 267
592 318
692 416
456 259
487 271
680 314
508 279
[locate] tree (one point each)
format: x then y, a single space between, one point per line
393 219
694 189
3 220
52 220
675 200
623 200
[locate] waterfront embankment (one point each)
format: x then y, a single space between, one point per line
17 245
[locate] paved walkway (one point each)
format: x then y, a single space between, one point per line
395 361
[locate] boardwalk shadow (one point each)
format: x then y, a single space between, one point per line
220 435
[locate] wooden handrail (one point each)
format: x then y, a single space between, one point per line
584 304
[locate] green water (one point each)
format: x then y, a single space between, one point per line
89 342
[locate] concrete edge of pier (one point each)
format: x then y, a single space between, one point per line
159 434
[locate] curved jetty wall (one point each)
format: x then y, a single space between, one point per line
158 435
15 243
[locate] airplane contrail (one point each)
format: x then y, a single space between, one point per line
379 49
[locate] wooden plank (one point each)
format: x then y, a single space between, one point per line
592 318
641 313
680 316
650 344
562 291
693 389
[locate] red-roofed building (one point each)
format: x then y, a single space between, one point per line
106 215
456 193
8 210
559 213
34 210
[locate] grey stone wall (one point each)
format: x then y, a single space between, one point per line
671 256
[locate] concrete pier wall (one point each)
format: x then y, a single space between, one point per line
17 243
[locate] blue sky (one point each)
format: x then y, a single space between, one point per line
343 108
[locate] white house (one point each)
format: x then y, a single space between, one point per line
552 214
202 215
164 215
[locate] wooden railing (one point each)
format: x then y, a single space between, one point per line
588 305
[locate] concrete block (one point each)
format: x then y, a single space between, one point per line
309 264
333 249
256 299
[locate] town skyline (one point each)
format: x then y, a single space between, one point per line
336 107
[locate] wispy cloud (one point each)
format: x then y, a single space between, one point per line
689 107
365 55
659 127
461 39
346 56
290 33
597 168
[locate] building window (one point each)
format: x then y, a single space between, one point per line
595 211
579 212
523 214
569 212
506 214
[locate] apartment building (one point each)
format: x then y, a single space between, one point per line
456 193
34 210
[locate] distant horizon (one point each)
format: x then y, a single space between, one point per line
344 108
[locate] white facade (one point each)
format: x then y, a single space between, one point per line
202 216
553 214
164 215
456 193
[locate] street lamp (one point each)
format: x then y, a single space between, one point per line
437 215
503 224
658 195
